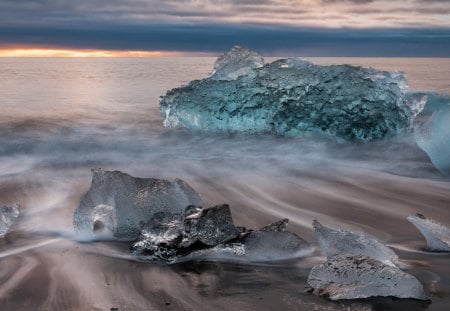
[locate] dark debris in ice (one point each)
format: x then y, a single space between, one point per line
209 234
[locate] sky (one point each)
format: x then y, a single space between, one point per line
206 27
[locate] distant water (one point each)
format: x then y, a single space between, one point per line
61 117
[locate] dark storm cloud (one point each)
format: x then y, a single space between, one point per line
217 38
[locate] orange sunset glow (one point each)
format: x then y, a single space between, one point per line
43 52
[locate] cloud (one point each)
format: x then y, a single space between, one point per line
303 26
218 38
300 13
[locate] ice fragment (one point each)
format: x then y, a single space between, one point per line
122 204
336 242
432 131
436 234
8 216
358 276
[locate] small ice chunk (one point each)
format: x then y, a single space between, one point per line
124 204
436 234
432 131
336 242
8 216
209 234
237 62
358 276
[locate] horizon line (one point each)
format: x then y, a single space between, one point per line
40 52
37 52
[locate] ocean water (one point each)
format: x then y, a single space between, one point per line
61 117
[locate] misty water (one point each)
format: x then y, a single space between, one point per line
60 118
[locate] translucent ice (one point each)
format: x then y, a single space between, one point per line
274 245
235 63
293 97
436 234
258 246
357 276
8 216
337 242
123 204
432 131
104 220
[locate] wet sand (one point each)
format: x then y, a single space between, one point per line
42 268
62 118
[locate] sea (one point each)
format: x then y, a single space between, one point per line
62 117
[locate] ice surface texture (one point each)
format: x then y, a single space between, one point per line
432 131
358 276
8 216
209 234
121 204
359 267
436 234
293 97
337 242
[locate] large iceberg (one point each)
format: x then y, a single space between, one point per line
119 205
432 130
436 234
338 242
209 234
358 276
8 216
293 97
